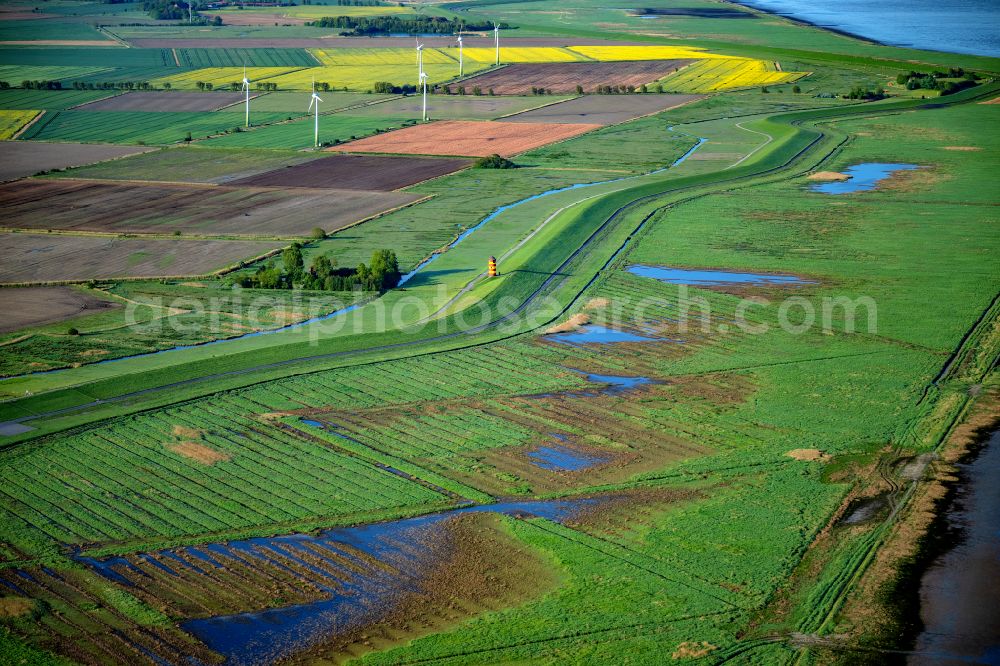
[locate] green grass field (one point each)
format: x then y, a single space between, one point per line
711 457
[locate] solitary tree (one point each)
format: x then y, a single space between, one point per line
292 258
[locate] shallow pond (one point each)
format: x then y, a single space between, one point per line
863 177
707 278
559 458
596 334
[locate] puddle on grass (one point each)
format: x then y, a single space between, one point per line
864 510
618 383
702 278
863 177
559 458
361 570
594 333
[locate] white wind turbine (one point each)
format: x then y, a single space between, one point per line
461 62
246 89
314 101
420 60
423 81
496 37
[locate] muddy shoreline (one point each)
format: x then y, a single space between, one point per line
944 535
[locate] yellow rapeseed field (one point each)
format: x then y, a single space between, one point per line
219 76
394 56
714 75
362 78
520 54
12 121
618 53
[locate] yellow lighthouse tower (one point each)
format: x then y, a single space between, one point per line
492 271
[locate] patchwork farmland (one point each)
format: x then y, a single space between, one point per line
603 349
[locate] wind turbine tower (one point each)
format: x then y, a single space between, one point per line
461 61
246 89
420 61
314 101
423 81
496 37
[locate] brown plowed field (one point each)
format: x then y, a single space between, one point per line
83 205
602 109
564 77
32 306
49 258
356 172
165 101
23 158
466 137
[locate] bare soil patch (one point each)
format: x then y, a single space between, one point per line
22 158
828 175
807 454
564 77
357 172
186 432
43 204
33 306
970 149
571 324
174 100
603 109
469 138
16 606
199 452
995 100
50 258
692 650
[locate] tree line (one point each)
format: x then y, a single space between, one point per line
361 26
933 81
380 275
